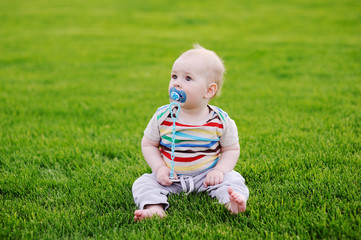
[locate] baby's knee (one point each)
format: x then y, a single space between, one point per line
145 179
236 181
233 176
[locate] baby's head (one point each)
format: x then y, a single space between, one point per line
201 66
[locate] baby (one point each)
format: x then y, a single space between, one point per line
206 141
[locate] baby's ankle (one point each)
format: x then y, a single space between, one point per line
154 207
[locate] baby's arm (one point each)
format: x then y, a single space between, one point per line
152 155
226 163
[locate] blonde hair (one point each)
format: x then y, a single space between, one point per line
213 62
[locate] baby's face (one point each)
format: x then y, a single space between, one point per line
189 74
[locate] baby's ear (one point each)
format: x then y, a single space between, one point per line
211 91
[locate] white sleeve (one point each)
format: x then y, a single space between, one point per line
152 130
230 135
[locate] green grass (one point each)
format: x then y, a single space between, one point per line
80 80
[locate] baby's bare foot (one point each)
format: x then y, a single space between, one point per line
237 203
149 213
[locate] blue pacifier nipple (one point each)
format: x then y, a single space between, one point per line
177 95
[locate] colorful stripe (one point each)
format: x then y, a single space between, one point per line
210 124
208 145
212 160
209 132
207 151
181 159
161 114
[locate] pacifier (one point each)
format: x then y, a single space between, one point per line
177 95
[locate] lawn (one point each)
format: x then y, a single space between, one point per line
79 81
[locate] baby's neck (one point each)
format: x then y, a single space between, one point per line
194 115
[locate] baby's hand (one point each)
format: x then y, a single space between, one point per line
213 178
163 176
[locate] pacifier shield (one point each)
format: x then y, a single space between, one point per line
177 95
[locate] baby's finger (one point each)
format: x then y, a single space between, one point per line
216 180
219 180
165 181
212 181
206 182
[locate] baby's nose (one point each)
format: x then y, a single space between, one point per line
176 83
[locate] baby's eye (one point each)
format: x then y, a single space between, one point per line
174 76
188 78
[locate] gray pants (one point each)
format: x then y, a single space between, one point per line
146 190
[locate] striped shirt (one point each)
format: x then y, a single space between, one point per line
197 145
